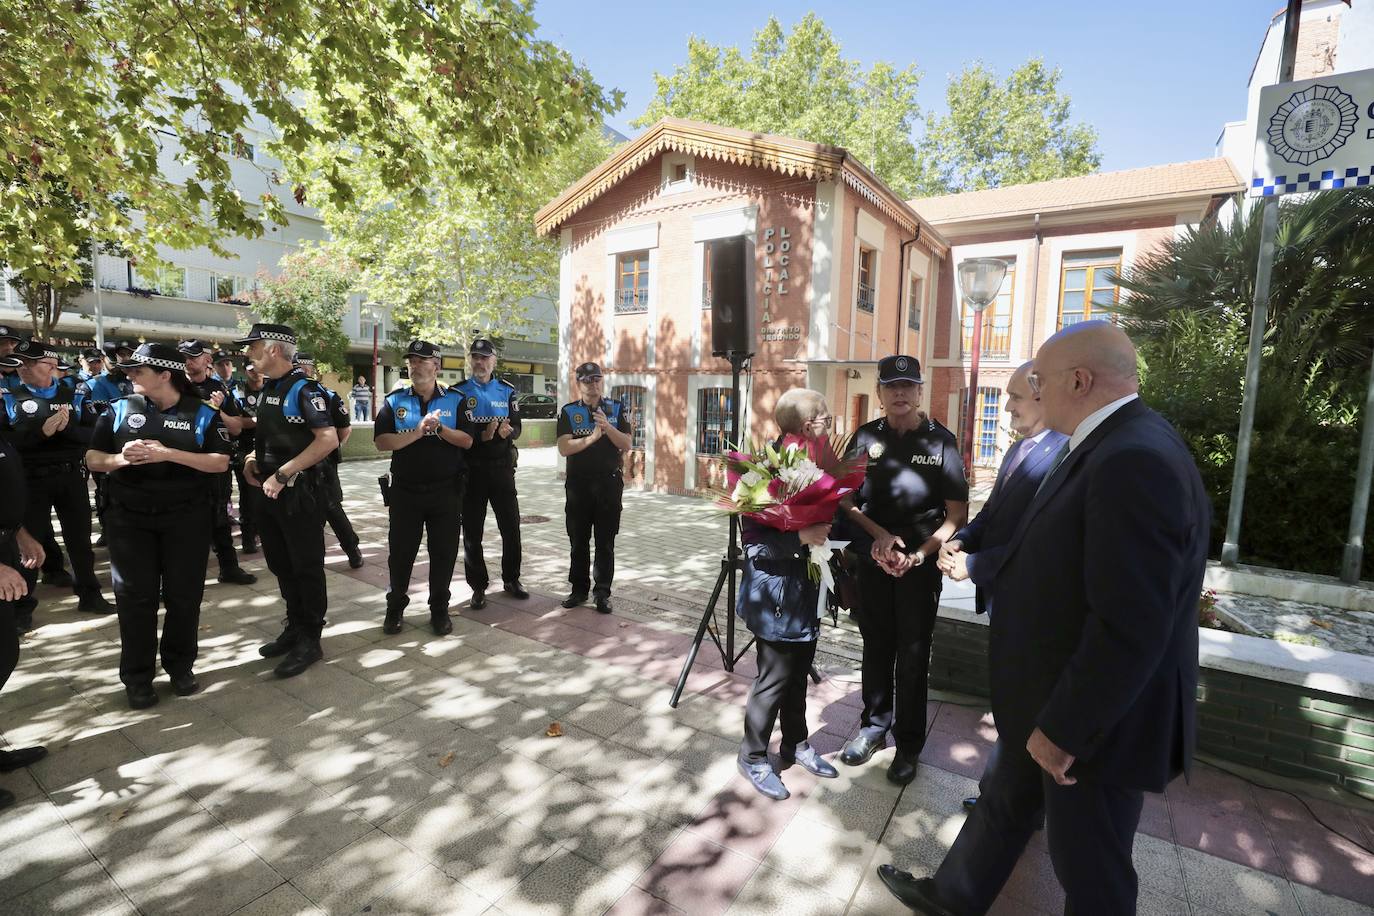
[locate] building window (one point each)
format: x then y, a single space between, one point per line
632 282
165 281
1087 287
225 288
915 289
996 342
633 398
679 172
713 420
867 279
985 415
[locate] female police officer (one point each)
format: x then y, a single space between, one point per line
161 446
914 497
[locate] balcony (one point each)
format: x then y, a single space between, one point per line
630 301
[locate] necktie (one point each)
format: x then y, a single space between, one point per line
1022 447
1059 457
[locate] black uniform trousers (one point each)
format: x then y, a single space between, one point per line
490 482
249 498
1090 827
9 636
65 493
779 691
54 560
433 511
896 618
334 511
292 531
222 533
158 557
593 512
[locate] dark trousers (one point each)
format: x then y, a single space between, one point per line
593 512
495 484
222 533
64 493
158 558
334 511
779 692
292 531
54 560
249 498
436 513
1090 827
896 617
9 636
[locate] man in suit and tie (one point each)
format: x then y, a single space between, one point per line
1093 644
977 550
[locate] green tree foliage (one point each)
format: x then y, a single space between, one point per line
461 255
1004 132
798 84
143 104
1188 308
310 293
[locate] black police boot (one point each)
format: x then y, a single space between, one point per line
23 622
306 652
59 579
355 557
250 544
282 644
574 599
440 622
21 757
94 603
970 802
183 685
479 600
516 590
902 769
603 605
236 575
391 624
141 696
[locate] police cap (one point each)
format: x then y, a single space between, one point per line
262 331
194 347
92 353
899 369
424 348
34 350
482 347
7 333
157 355
588 371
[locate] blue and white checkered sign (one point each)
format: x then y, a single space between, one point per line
1326 180
1315 135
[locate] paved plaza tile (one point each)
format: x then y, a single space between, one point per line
413 774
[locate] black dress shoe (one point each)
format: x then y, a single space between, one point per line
392 624
141 696
21 757
236 575
95 603
603 606
970 802
575 599
250 545
441 623
919 894
479 600
516 590
6 798
183 685
902 770
23 622
355 558
60 579
861 749
305 654
281 645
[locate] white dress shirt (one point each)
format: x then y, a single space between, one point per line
1095 419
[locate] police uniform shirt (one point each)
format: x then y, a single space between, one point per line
909 478
292 407
9 379
229 406
601 457
28 408
249 401
483 403
432 459
190 425
107 387
339 418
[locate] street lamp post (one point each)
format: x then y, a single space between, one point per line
980 279
374 314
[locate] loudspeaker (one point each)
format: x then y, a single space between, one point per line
732 296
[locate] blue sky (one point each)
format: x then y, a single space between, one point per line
1157 79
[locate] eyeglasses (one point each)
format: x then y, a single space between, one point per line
823 420
1036 379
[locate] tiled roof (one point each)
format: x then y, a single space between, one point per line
1203 177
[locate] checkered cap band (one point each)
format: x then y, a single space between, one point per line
158 362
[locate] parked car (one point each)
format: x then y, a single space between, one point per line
537 406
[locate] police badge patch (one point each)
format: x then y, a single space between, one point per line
901 364
401 413
30 407
875 451
137 420
317 403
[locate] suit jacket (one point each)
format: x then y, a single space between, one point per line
777 599
985 538
1095 637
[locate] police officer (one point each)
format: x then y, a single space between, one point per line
914 498
18 551
489 403
93 363
112 384
9 339
51 426
343 426
215 393
224 371
593 434
249 497
163 448
294 435
426 430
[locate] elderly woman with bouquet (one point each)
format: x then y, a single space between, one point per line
786 495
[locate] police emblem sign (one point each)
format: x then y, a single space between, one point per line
1315 135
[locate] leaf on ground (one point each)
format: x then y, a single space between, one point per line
446 759
1320 623
624 625
554 730
116 816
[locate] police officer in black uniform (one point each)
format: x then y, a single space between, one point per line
593 434
343 425
914 498
9 339
106 387
214 392
426 430
489 403
18 551
294 435
249 497
51 426
163 448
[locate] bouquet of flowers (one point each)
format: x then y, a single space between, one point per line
792 486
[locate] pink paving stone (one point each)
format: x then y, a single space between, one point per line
745 822
1281 810
834 717
1154 817
697 876
828 744
1234 837
961 754
638 902
1211 790
1313 855
964 720
1033 881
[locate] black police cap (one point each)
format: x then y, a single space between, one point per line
92 353
588 371
262 331
34 350
193 347
156 355
423 348
482 347
302 357
7 333
223 356
899 369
